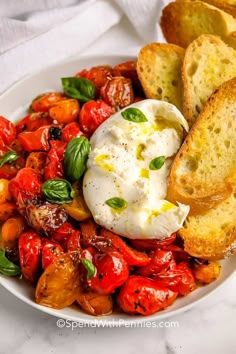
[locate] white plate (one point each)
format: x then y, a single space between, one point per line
12 106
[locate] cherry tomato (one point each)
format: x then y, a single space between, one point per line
128 70
63 232
9 170
89 231
180 279
32 122
204 271
118 92
17 147
35 141
179 254
161 261
71 131
153 244
73 242
140 295
37 160
50 250
45 217
131 256
98 75
111 271
7 131
65 111
54 162
30 247
92 114
26 186
43 102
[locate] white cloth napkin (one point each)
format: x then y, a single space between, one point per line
35 34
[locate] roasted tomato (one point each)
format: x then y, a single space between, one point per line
88 232
149 245
140 295
111 272
180 279
128 70
36 161
12 229
92 114
7 131
206 272
59 286
45 217
9 170
118 92
5 195
95 304
63 233
73 242
65 111
35 141
7 210
161 261
26 186
30 247
98 75
78 209
54 163
70 131
33 122
50 250
43 102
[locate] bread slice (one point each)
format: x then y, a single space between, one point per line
208 62
182 22
159 71
203 173
228 6
212 235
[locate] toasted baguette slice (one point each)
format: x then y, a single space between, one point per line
203 173
182 22
212 235
159 71
208 62
228 6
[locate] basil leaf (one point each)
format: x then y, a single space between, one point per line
6 267
58 191
157 163
78 87
75 158
134 115
8 157
91 269
116 203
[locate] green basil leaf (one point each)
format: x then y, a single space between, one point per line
91 269
78 87
157 163
75 158
116 203
58 191
6 267
8 157
134 115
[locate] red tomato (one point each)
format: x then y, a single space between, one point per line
98 75
43 102
73 242
161 261
63 233
35 141
131 256
140 295
153 244
26 186
32 122
54 163
7 131
71 131
9 170
92 114
111 271
128 70
65 111
50 251
118 92
179 254
30 247
88 232
179 279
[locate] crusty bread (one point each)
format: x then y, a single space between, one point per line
208 62
159 71
212 235
228 6
203 173
182 22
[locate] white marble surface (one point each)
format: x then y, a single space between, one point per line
209 328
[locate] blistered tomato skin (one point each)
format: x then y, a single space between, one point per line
65 111
98 75
43 102
140 295
30 247
50 250
93 114
35 141
54 162
149 245
32 122
160 262
70 131
118 92
7 131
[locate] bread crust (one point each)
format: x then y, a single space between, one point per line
224 5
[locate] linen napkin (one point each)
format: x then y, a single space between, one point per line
35 34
